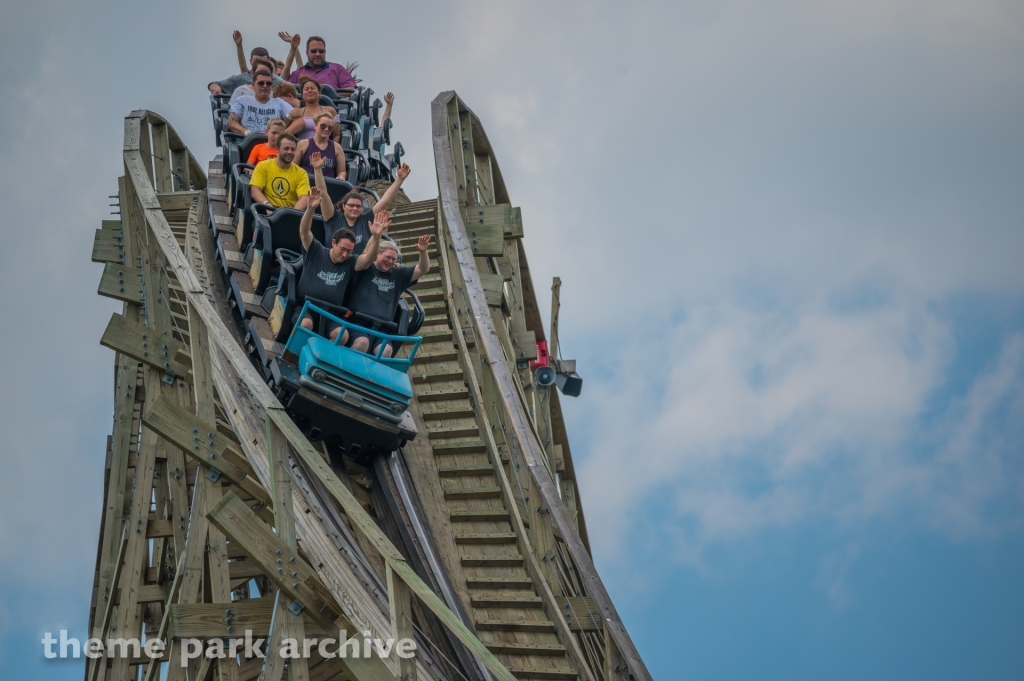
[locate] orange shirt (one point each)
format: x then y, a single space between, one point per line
261 152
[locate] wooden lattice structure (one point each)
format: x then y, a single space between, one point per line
220 516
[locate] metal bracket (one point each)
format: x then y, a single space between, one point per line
213 475
296 607
168 378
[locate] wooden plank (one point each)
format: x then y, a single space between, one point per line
176 201
292 575
121 283
286 623
493 288
400 607
391 555
501 218
108 246
525 345
161 157
218 620
204 443
146 345
508 392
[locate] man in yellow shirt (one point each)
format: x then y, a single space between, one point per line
279 182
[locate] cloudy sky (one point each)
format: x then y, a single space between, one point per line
790 238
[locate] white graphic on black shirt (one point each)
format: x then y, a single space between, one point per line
331 278
383 285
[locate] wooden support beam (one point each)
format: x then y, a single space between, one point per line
146 345
121 282
128 620
296 579
286 623
207 620
194 437
400 606
361 519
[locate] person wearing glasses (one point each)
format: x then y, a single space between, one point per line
302 117
349 210
376 291
328 273
277 181
251 113
331 155
316 67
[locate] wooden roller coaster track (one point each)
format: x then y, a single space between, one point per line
221 517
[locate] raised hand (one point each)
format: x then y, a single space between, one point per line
423 243
289 38
317 161
404 171
237 37
389 98
314 197
380 223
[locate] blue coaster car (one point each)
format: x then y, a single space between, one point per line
334 392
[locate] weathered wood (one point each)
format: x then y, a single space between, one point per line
400 605
286 623
519 424
387 550
146 345
204 443
209 620
121 283
293 576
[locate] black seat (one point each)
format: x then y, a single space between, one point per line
238 152
335 188
278 230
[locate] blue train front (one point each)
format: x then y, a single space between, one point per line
335 393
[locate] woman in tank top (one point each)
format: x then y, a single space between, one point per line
302 125
329 150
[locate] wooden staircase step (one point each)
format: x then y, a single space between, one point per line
453 413
501 648
478 516
436 336
499 582
515 625
496 562
459 431
462 471
436 376
507 601
554 674
473 493
435 356
437 395
486 538
469 447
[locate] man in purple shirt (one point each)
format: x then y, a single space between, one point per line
318 68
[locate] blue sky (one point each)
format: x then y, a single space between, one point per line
789 236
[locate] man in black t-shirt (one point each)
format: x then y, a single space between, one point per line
327 274
349 211
376 291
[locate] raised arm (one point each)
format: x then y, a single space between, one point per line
317 161
389 101
306 223
240 52
380 224
293 52
392 191
423 266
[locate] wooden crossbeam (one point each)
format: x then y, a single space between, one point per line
146 345
292 575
